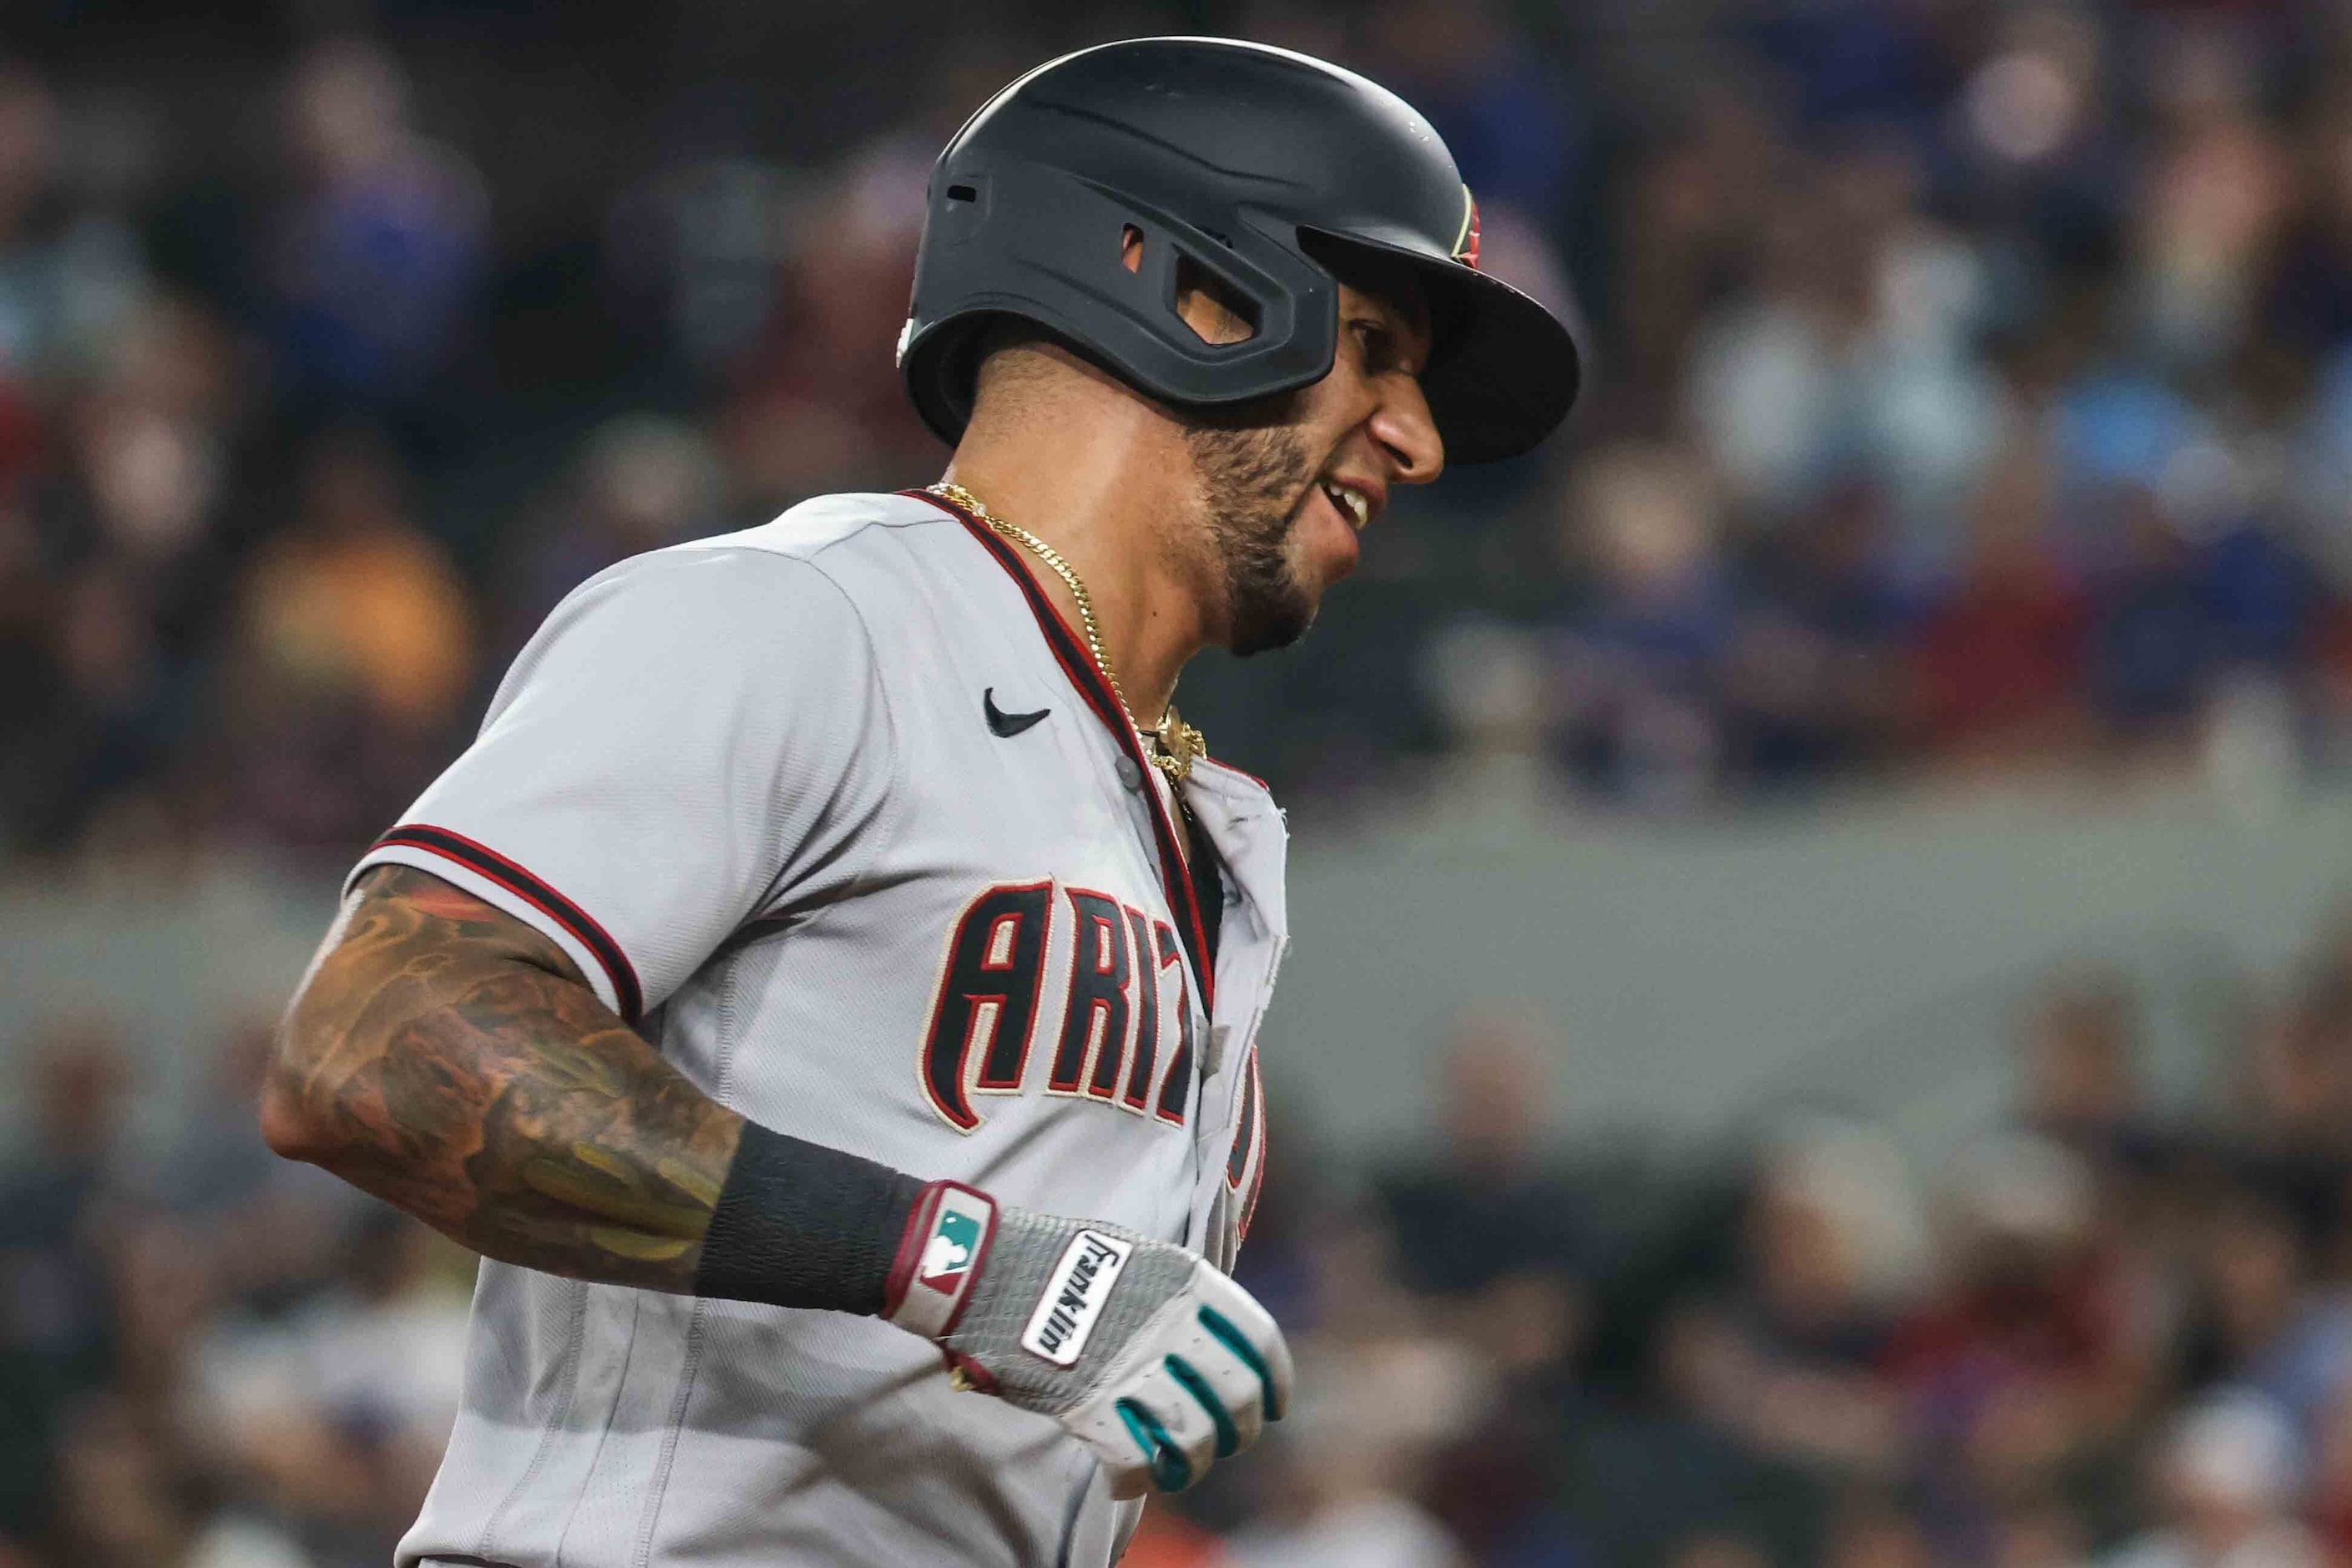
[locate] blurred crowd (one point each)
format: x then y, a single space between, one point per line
209 1357
1969 391
2113 1330
1968 384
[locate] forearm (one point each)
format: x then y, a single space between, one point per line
439 1060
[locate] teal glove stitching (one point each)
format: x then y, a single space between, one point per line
1171 1471
1234 1340
1229 1440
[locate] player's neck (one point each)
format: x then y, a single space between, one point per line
1099 492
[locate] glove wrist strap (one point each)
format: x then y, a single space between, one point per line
940 1255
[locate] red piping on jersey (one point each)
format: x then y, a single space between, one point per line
1077 662
1228 767
1253 1132
1245 1126
484 861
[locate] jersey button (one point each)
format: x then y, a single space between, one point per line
1130 772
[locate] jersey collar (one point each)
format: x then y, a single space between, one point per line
1238 817
1085 676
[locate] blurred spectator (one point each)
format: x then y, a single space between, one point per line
53 1197
2215 196
217 1162
1786 1359
358 640
1852 342
2042 165
1490 685
1996 661
274 1227
29 135
2309 289
119 1499
378 248
1489 1219
2079 1060
2030 1358
58 1333
1640 663
1853 63
2227 1480
135 537
1504 112
2150 648
818 404
2295 1085
1685 226
1767 384
69 268
1491 1236
336 1413
2274 1328
1814 674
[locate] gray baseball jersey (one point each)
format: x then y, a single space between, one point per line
843 818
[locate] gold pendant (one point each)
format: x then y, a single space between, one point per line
1179 743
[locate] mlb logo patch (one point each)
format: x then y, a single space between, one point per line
943 1250
947 1256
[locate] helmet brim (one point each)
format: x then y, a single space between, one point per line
1503 370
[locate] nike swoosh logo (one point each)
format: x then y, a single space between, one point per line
1007 724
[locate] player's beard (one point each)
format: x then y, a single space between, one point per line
1252 481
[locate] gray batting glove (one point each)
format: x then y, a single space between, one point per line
1156 1361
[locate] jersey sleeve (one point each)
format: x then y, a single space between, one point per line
693 738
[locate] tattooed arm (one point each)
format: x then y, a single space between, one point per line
450 1059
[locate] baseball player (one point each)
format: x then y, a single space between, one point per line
827 990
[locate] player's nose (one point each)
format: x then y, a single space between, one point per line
1406 432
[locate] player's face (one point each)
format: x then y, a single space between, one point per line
1287 487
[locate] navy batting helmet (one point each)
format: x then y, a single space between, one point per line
1261 168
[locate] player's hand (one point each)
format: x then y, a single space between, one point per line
1156 1361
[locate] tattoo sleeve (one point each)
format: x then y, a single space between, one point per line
449 1059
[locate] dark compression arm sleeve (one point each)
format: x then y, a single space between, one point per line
800 1224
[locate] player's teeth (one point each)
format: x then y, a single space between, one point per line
1350 503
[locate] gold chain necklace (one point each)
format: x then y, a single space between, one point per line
1170 747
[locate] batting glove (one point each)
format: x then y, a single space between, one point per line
1156 1361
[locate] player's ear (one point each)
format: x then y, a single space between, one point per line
1214 312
